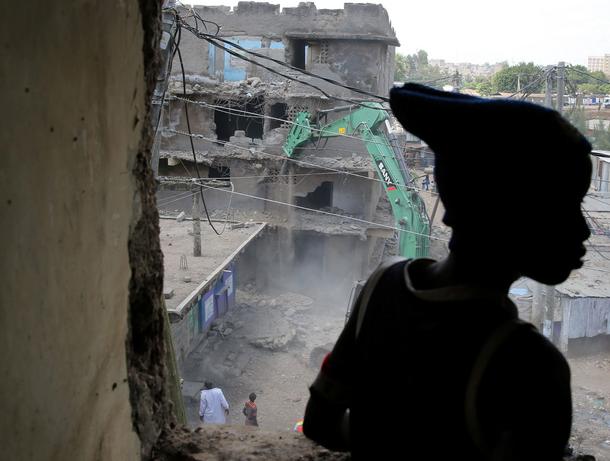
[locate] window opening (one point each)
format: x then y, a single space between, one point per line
220 172
321 197
278 110
232 117
299 53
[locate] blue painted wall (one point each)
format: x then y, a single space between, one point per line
235 68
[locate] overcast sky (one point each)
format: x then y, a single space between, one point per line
479 31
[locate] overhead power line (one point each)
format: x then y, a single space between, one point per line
283 157
232 111
601 80
542 75
188 124
351 218
313 210
328 213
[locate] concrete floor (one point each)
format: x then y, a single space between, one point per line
177 241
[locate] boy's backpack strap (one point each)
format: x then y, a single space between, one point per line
481 364
370 285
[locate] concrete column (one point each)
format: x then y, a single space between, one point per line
266 121
565 327
537 305
196 226
549 311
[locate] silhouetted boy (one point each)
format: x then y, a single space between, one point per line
433 363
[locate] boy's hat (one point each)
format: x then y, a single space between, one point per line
491 153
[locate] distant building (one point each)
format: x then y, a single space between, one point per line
599 63
467 69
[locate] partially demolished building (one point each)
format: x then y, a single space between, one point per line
240 113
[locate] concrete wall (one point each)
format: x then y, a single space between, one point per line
362 64
74 96
354 196
350 193
265 19
310 263
190 326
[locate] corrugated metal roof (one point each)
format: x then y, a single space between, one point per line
603 152
596 203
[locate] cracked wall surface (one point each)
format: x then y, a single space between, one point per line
71 176
152 410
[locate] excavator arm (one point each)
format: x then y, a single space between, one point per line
366 123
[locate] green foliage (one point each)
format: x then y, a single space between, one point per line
575 76
506 80
588 84
486 89
481 85
401 67
415 68
422 57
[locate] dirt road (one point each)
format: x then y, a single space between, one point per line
591 400
265 346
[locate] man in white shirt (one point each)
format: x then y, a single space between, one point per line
213 407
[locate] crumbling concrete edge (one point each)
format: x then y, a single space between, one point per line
146 350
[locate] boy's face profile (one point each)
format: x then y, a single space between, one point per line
555 246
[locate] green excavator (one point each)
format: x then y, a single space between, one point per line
370 122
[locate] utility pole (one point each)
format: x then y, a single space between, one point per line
548 88
560 85
548 306
196 225
549 312
544 296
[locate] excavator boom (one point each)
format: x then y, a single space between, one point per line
366 122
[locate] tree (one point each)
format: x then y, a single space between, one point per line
485 88
481 85
524 74
401 67
588 82
415 68
422 58
577 74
